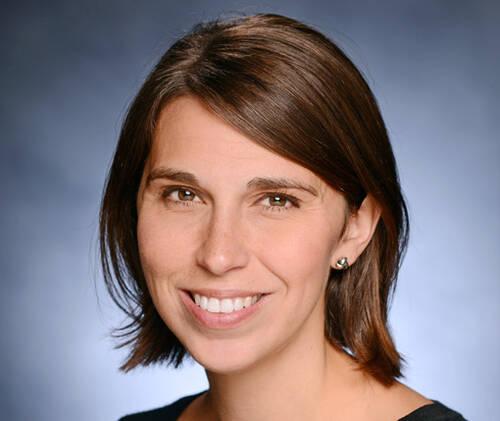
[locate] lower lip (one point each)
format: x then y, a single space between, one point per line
221 320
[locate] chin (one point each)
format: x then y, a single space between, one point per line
225 356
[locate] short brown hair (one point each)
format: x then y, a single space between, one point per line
293 91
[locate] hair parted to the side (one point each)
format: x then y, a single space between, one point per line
293 91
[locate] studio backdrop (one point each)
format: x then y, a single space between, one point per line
70 69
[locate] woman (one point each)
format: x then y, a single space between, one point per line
253 220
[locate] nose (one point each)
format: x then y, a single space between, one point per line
222 248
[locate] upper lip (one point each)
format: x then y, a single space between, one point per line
224 293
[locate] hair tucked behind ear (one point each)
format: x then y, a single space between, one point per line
357 304
293 91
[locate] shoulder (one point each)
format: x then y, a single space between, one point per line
165 413
401 402
434 411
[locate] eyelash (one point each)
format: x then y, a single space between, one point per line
271 208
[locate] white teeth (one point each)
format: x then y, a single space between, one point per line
213 305
226 305
238 303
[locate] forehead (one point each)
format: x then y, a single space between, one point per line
190 137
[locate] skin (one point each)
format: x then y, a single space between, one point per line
278 364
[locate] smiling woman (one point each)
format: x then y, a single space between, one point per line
253 220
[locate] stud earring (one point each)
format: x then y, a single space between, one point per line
342 263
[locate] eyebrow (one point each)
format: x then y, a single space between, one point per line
256 183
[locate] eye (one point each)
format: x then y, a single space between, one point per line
179 196
278 202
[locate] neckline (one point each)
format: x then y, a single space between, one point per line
183 403
435 405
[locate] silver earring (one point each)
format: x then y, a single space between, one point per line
342 263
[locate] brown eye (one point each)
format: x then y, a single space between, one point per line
277 200
179 196
185 194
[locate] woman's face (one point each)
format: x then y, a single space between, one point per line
212 223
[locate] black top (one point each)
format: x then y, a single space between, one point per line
432 412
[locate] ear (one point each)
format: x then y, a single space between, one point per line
358 232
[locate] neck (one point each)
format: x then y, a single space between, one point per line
305 379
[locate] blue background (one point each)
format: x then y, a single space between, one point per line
68 72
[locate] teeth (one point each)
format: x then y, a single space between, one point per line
247 302
225 305
213 305
238 303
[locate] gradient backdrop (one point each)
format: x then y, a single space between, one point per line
68 72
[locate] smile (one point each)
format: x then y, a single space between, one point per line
225 305
222 310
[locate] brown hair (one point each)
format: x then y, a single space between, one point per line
291 90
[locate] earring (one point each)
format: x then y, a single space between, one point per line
342 263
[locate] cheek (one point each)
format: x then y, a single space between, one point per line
165 260
300 252
161 247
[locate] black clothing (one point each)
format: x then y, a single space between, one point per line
431 412
166 413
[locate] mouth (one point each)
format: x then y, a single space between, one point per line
220 302
223 309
